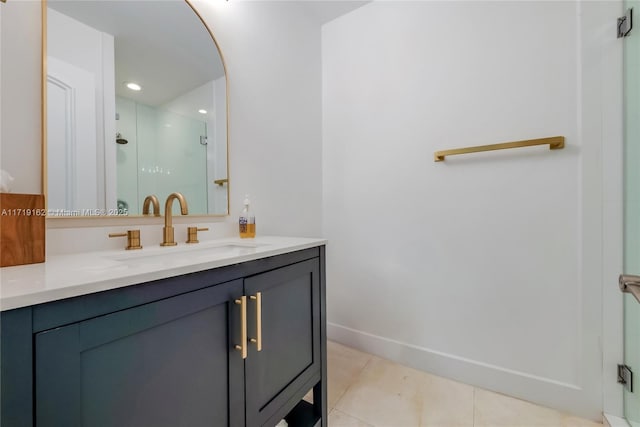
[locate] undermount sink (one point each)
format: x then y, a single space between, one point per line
177 254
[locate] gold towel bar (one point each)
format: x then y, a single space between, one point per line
555 143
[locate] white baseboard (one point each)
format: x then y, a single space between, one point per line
543 391
613 421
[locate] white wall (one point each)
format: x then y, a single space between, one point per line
1 85
217 152
20 88
272 53
486 268
602 101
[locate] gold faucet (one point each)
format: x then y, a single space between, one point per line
167 231
148 201
133 238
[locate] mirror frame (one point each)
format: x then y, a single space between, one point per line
43 116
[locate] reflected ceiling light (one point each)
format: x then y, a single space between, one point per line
134 86
202 111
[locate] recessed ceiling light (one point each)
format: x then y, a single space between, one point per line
202 111
134 86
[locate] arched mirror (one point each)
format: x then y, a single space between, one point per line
136 105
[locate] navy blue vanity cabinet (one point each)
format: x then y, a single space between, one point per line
165 363
290 357
165 353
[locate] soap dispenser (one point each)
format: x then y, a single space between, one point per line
247 221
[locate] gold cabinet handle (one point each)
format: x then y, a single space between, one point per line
242 302
258 339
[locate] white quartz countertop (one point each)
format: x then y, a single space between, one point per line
66 276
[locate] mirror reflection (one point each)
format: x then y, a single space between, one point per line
136 105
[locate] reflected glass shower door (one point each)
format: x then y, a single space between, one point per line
632 210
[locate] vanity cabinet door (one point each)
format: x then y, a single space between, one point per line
167 363
291 355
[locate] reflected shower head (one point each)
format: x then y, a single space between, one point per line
120 139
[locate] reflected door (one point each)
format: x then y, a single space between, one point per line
632 211
72 182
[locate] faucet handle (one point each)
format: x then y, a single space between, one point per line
192 233
133 238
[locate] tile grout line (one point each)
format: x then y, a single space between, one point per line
474 407
353 416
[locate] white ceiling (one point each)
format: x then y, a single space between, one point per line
168 55
172 53
328 10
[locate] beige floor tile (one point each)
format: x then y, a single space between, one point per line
390 395
568 421
344 366
365 390
493 409
340 419
385 394
446 403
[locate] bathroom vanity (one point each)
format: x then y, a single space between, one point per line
223 333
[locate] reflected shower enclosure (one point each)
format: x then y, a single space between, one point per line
165 150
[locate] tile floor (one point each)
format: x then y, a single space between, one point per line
367 391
